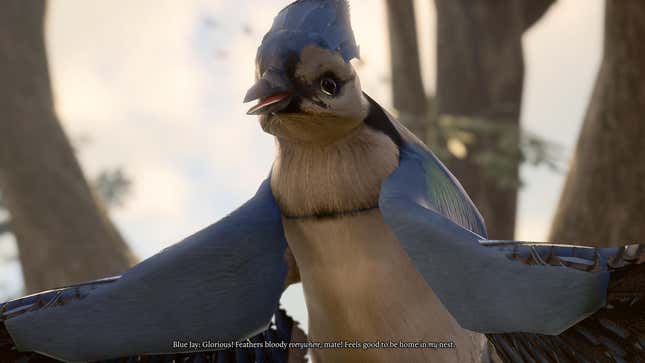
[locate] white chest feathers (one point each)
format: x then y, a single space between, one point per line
359 283
343 176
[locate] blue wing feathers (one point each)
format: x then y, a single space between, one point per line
51 298
261 354
440 229
482 288
581 257
450 199
614 334
439 189
190 291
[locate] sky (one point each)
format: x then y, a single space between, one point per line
156 87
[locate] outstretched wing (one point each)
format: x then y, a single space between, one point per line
483 290
614 334
536 302
266 347
444 193
221 284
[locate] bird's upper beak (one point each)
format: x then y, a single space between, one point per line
273 91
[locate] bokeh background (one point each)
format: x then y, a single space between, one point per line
150 95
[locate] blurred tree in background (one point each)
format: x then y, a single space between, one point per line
408 94
472 123
63 233
112 186
480 78
604 194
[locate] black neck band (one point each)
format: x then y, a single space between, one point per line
331 215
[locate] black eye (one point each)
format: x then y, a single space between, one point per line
328 86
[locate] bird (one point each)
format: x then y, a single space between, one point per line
388 246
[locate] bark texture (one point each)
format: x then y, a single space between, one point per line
604 194
408 94
480 75
63 234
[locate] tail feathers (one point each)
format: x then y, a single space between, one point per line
614 334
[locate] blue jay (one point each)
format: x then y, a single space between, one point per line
387 244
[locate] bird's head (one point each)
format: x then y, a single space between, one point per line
307 89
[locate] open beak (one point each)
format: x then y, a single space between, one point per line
270 104
273 93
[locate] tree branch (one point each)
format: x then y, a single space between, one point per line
42 182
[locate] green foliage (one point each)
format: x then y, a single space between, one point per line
495 145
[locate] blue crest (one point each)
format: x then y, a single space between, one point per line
325 23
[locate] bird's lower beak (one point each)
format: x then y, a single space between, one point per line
272 91
270 104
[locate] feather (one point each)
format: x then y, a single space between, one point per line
614 334
190 291
325 23
444 193
483 289
284 330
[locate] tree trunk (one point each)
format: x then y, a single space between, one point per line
63 234
408 94
480 75
604 194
